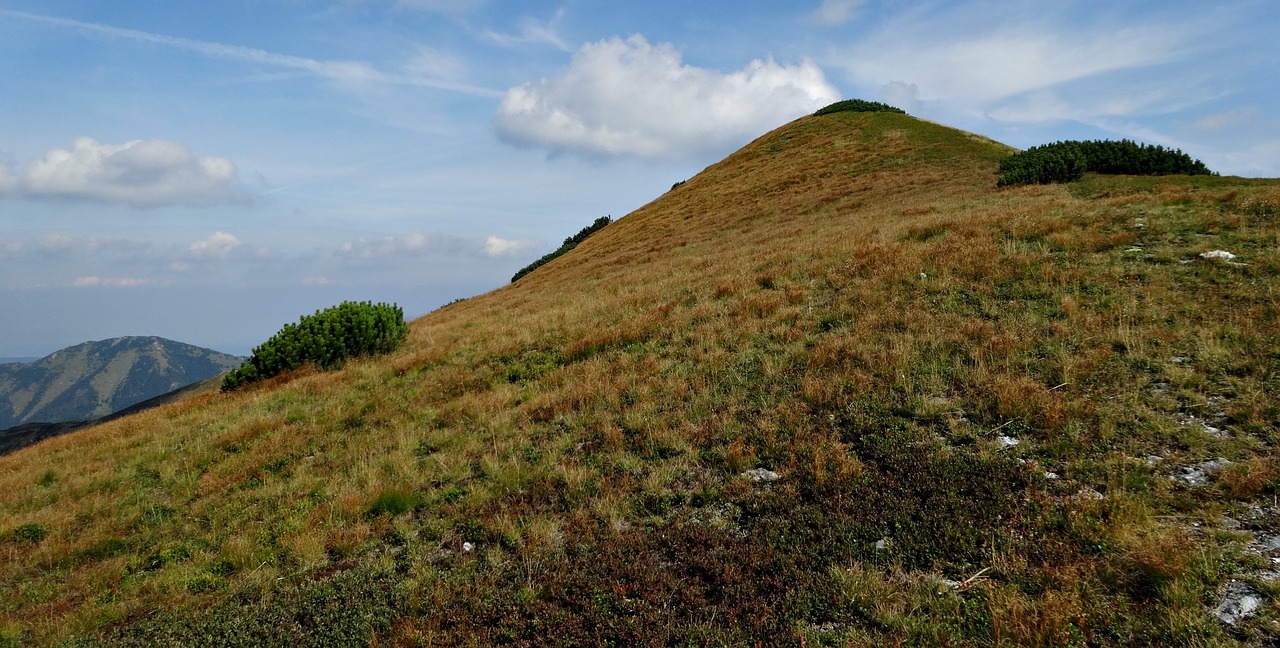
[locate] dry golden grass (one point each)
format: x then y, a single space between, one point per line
840 278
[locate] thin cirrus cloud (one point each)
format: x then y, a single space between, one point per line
836 12
1021 58
142 173
354 74
95 281
631 98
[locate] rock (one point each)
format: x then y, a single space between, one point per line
882 544
1088 494
1239 602
1217 254
1007 441
1198 475
762 475
1050 475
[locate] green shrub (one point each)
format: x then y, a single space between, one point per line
569 244
1068 160
30 532
327 339
858 105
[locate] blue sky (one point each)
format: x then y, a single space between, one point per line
209 171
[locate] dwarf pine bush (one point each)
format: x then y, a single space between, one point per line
327 339
569 244
858 105
1069 160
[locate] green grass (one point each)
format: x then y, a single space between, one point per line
848 301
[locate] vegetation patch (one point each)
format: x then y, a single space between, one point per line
858 105
569 244
1067 161
327 339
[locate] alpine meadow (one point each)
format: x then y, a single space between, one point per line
838 389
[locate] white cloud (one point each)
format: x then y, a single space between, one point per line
533 32
1013 59
346 73
113 282
901 95
494 246
836 12
432 245
150 173
630 98
321 280
219 245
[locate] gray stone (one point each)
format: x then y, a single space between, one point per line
1007 441
1198 475
1239 602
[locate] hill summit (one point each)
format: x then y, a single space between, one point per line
836 389
95 379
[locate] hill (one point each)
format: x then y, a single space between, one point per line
837 389
21 436
95 379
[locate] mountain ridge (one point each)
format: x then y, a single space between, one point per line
94 379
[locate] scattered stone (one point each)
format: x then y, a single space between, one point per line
1154 459
1217 254
467 547
1198 475
1007 441
762 475
1239 602
1050 475
1187 420
1179 360
1229 523
1088 494
882 544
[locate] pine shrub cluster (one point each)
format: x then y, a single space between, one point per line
858 105
569 244
327 339
1069 160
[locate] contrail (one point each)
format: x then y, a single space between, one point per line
343 71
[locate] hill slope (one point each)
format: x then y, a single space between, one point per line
94 379
836 389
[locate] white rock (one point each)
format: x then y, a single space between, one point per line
467 547
762 475
1007 441
1217 254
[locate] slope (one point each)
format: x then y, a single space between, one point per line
836 389
94 379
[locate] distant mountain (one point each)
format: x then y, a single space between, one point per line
95 379
5 361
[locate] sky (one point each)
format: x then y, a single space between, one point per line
210 171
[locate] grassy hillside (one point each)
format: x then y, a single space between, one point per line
975 411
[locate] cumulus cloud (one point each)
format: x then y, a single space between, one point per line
142 173
630 98
836 12
220 245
